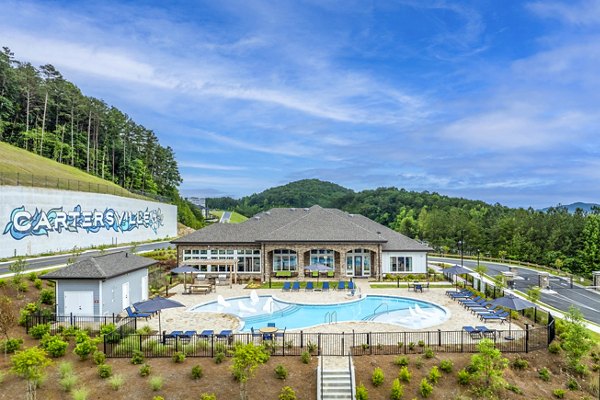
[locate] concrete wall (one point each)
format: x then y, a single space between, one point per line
36 220
419 261
112 291
76 285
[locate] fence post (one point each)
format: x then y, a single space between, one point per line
212 346
369 343
71 319
462 342
439 337
526 338
353 339
319 344
343 341
301 339
104 340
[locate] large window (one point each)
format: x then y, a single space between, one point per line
322 256
248 260
284 260
401 264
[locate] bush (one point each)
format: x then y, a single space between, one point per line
30 308
559 393
419 364
572 384
581 370
109 333
428 353
197 372
544 374
47 296
464 377
446 366
378 377
404 374
411 346
144 330
554 348
401 361
162 398
514 388
80 394
520 364
54 345
361 392
156 383
434 375
38 331
219 358
65 368
32 276
397 390
9 346
178 357
68 382
38 285
207 396
312 347
104 371
145 370
287 393
305 357
116 382
99 357
281 372
137 357
85 345
425 388
421 343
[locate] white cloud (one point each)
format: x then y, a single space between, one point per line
215 167
585 12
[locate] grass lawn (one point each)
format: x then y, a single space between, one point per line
235 217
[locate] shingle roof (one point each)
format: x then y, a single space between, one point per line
101 267
315 224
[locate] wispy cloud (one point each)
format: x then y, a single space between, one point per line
215 167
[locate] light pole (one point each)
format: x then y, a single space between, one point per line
478 258
460 246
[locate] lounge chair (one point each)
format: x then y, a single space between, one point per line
296 286
341 285
474 333
286 286
461 295
351 285
225 333
173 334
325 287
485 331
493 316
132 314
271 324
189 334
470 301
309 287
456 293
206 333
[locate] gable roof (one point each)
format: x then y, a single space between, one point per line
315 224
101 267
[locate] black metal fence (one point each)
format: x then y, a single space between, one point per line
92 324
335 344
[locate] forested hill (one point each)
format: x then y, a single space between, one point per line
44 113
553 237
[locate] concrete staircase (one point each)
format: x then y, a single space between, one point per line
335 378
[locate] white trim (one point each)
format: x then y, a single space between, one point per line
100 304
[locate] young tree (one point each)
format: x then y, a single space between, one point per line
246 359
30 364
489 368
534 293
8 318
576 340
17 269
480 270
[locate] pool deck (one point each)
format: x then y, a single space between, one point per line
181 319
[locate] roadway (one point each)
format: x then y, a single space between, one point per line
225 218
560 294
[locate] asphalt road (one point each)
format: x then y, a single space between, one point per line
225 217
560 296
51 261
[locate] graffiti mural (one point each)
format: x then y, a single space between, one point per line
41 223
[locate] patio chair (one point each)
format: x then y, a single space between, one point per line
474 333
132 314
455 293
173 334
314 274
296 286
469 300
341 285
418 287
351 285
485 331
206 333
189 334
330 274
286 286
225 333
325 287
493 316
461 295
309 287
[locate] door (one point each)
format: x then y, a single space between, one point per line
145 287
125 295
358 265
79 303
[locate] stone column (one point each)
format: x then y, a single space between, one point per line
596 280
543 279
508 278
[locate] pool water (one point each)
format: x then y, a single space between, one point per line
257 312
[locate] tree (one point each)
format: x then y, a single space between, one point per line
576 340
534 293
30 364
590 254
246 358
480 270
489 366
17 269
8 317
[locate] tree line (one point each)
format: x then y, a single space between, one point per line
554 237
44 113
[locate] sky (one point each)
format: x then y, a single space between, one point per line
486 100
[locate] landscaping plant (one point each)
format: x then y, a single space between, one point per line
30 364
488 365
361 392
425 388
145 370
197 372
246 359
404 374
281 372
397 390
287 393
156 383
378 377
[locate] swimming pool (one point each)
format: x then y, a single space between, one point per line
257 311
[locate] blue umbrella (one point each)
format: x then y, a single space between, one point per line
456 270
512 302
185 269
156 304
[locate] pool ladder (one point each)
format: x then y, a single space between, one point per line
330 317
387 308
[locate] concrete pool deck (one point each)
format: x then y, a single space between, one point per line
181 319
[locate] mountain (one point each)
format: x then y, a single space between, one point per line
571 208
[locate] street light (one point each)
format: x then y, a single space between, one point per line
477 257
460 245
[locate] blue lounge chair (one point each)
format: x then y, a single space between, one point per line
296 286
225 333
173 334
341 285
351 285
470 301
189 334
132 314
455 293
286 286
206 333
309 286
485 331
325 287
474 333
493 316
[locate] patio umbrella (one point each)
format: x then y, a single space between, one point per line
512 302
320 268
184 269
156 304
456 270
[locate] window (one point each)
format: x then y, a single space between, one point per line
322 256
284 260
401 264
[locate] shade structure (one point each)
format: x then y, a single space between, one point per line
456 270
320 268
156 304
185 269
512 302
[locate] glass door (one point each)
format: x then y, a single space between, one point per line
349 266
358 266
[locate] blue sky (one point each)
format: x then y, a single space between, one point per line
489 100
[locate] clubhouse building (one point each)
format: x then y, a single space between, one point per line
284 241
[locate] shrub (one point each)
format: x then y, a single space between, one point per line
446 366
559 393
219 358
99 357
80 394
197 372
68 382
434 375
401 361
397 390
109 333
281 372
38 331
179 357
464 377
162 398
30 308
361 392
116 382
425 388
207 396
421 343
145 370
428 353
312 347
287 393
544 374
144 330
137 357
305 357
411 346
65 368
54 345
554 348
32 276
581 370
47 296
85 345
520 364
104 371
378 377
404 374
572 384
156 383
22 287
9 346
419 364
514 388
38 285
